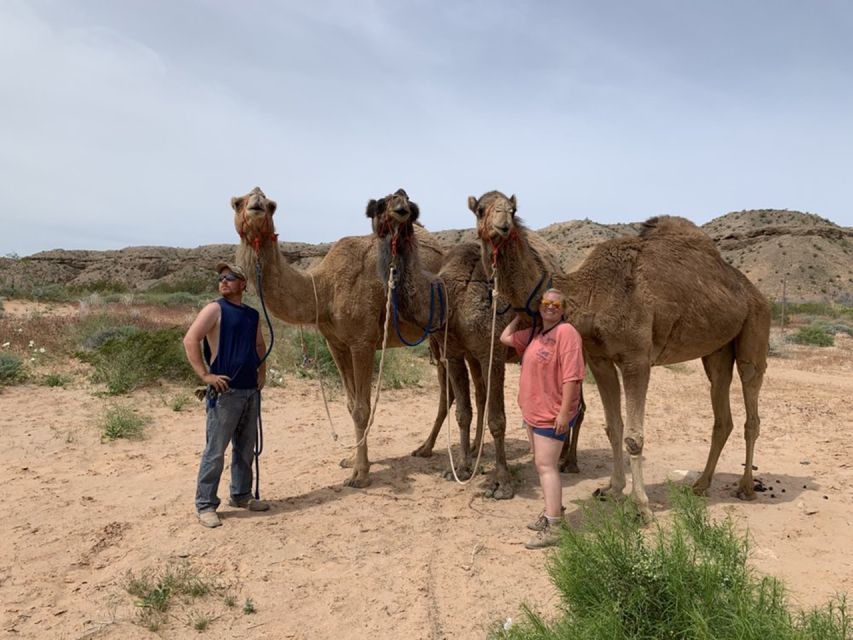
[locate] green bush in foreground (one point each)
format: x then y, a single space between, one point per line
813 335
617 580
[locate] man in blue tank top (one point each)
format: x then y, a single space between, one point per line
231 367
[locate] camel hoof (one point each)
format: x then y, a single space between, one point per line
645 514
357 482
463 473
500 491
743 494
606 493
569 466
700 489
422 452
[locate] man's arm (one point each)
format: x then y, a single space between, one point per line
261 346
204 323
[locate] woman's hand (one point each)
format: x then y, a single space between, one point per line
561 424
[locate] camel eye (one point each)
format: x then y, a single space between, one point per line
480 212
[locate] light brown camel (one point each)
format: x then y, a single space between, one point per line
664 297
351 302
467 292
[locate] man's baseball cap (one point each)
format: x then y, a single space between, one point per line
235 269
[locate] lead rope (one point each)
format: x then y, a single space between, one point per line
488 388
259 439
317 359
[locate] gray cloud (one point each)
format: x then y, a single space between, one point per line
133 123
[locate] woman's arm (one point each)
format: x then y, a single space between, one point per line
571 396
506 334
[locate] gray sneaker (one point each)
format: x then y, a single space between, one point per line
541 520
209 519
249 503
548 537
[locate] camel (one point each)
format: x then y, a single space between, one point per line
351 306
664 297
467 292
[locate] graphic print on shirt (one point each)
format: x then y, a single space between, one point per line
546 347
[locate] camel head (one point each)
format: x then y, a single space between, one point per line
253 217
393 215
495 213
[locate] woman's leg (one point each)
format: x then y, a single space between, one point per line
546 456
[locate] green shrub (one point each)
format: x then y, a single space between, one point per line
179 402
691 580
121 422
156 590
133 360
55 380
813 335
11 369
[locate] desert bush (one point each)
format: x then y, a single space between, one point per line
179 402
814 335
2 308
403 367
119 421
690 580
11 369
132 360
55 380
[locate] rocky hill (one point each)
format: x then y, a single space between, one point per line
810 256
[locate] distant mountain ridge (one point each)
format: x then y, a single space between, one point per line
810 256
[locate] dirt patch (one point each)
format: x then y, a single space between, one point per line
413 555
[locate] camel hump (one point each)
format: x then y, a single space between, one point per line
660 225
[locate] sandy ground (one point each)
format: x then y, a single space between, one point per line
412 556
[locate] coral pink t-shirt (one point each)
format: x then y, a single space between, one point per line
550 360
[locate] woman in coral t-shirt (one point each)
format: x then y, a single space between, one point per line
549 394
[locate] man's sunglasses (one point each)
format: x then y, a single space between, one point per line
551 303
230 277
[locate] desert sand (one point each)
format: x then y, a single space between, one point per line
411 556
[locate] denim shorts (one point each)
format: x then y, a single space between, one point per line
551 432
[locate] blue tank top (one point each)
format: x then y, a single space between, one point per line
237 356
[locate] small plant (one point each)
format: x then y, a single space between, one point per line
249 607
11 369
230 600
813 335
179 402
202 622
55 380
121 422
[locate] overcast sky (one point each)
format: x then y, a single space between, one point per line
126 123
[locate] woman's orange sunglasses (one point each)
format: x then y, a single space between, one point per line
551 303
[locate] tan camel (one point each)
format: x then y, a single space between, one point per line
351 302
664 297
467 291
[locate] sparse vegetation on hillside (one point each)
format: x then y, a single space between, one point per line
688 580
11 369
814 335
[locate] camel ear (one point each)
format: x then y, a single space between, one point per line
514 203
237 203
372 209
271 206
401 192
416 211
472 204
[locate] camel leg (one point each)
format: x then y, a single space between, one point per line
464 414
718 368
751 355
500 487
569 454
341 356
635 377
479 381
361 360
445 399
607 382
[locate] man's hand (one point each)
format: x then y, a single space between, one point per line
218 382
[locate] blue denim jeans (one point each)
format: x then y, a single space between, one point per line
233 419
